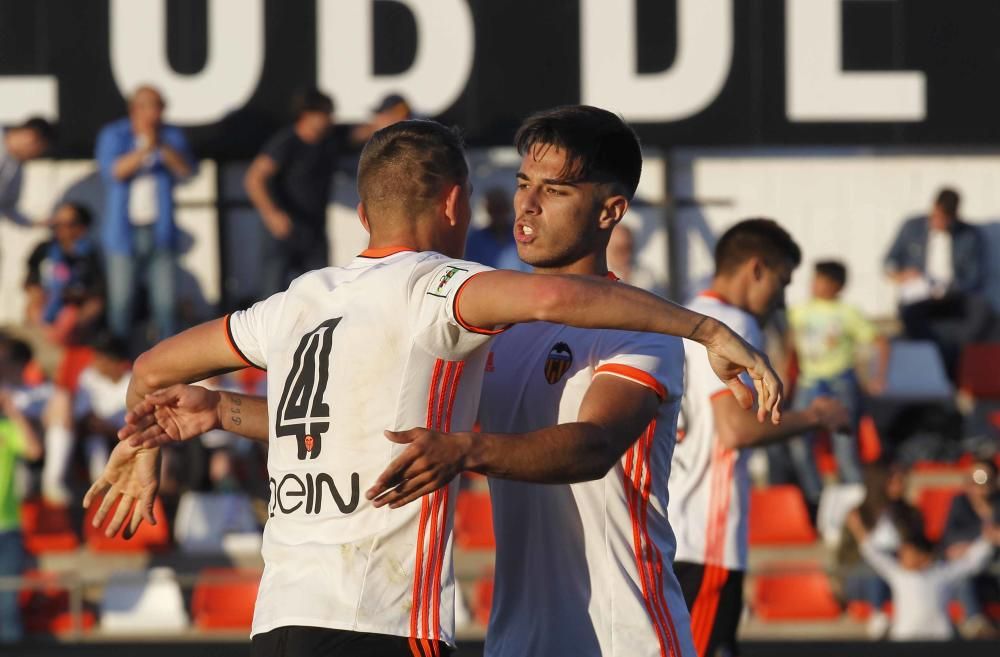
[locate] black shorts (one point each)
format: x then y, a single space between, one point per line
299 641
714 596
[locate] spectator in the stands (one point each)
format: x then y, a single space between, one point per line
939 263
142 159
921 586
887 517
289 183
18 440
18 145
972 510
393 109
622 260
828 336
493 244
65 285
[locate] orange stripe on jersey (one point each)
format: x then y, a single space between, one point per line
462 322
417 579
631 479
451 397
432 394
384 252
427 596
654 557
720 393
438 567
633 374
232 344
442 398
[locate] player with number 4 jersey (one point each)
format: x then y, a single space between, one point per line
396 339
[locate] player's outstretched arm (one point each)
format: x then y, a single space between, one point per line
613 414
497 298
195 354
737 429
182 412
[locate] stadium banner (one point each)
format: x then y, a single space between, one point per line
684 72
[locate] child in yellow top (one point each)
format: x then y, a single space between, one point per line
827 334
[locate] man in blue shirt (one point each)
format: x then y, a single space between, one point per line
141 159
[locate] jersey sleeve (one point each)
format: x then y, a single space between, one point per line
653 361
247 331
435 288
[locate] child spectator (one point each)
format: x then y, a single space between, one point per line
921 586
18 440
972 510
827 334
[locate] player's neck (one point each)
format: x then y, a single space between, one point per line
593 264
729 290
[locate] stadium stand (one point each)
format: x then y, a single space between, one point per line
934 503
224 598
474 521
778 516
795 596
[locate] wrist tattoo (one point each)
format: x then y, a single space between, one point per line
696 327
235 410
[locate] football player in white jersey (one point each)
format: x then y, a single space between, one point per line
709 485
398 338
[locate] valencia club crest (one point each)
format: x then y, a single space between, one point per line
559 361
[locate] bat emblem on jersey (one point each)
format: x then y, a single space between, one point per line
559 361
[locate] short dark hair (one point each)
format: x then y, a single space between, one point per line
83 213
757 237
948 200
917 539
835 270
18 351
311 99
599 145
108 344
408 165
41 127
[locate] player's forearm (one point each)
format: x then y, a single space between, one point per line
193 355
742 429
244 415
566 453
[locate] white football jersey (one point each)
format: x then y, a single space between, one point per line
584 569
709 483
352 351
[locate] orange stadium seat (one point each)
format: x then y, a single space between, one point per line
474 520
869 443
484 598
224 603
934 503
45 606
795 596
47 528
977 370
147 538
778 516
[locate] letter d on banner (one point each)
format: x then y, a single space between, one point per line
232 67
440 71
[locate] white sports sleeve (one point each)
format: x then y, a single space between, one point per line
435 288
651 360
247 330
970 563
884 565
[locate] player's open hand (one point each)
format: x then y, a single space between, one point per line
430 462
180 412
730 356
131 478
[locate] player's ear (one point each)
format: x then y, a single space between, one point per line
452 204
612 211
363 216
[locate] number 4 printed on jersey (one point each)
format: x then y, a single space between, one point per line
302 412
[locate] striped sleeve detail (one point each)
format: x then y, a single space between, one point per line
634 374
462 322
233 346
432 536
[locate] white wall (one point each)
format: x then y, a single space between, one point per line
837 203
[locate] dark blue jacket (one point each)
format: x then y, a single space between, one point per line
968 250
